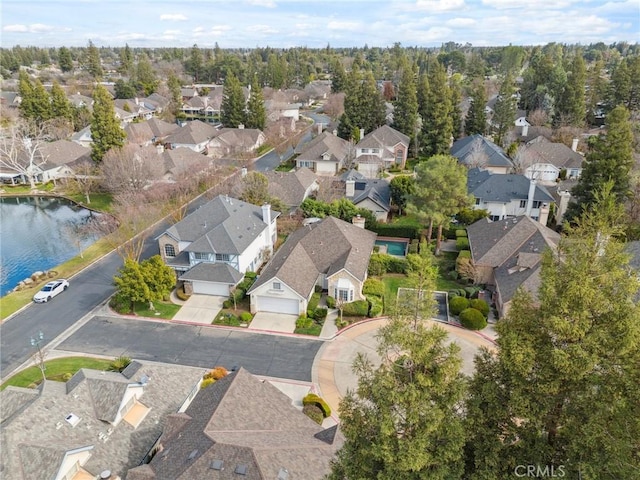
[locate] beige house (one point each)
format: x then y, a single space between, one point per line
331 254
229 142
381 149
326 154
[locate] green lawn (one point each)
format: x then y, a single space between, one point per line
26 189
55 370
393 281
164 310
314 330
99 201
408 220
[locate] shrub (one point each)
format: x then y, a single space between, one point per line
453 293
253 275
359 308
206 382
378 264
341 323
390 230
313 303
453 275
472 319
238 294
331 302
413 246
397 265
216 373
481 306
304 322
461 232
313 399
180 293
373 286
120 304
246 283
320 314
227 304
246 317
314 413
462 243
457 305
464 254
472 292
375 306
119 363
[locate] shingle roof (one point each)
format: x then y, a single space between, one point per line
503 188
213 272
376 190
151 129
242 421
557 154
465 148
383 136
290 187
238 137
183 160
324 247
223 225
193 133
64 152
326 142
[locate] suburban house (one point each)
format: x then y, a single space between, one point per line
79 101
212 248
276 110
318 90
381 149
156 102
241 427
477 151
374 194
149 132
508 195
194 135
10 99
97 423
507 254
61 156
134 106
331 254
182 162
326 154
544 160
292 188
83 137
233 141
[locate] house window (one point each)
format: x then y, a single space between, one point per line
200 256
399 155
222 257
494 218
536 204
305 163
375 150
277 286
523 204
477 201
169 251
365 150
343 294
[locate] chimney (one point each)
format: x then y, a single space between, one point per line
335 132
532 191
350 190
544 214
243 172
137 101
361 133
525 130
319 128
358 221
266 213
574 144
241 127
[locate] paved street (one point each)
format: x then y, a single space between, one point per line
261 354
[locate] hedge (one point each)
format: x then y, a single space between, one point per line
390 230
457 305
464 254
304 322
246 317
319 314
313 303
359 308
331 302
461 232
313 399
481 306
314 413
462 243
381 263
373 286
473 319
413 246
375 306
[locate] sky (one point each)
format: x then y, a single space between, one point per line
314 24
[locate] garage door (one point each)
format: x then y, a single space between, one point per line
207 288
278 305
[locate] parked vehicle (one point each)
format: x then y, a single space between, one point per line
50 290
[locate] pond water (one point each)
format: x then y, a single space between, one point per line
38 233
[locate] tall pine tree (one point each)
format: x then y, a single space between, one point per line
476 119
405 113
60 105
65 61
106 132
437 126
233 105
256 115
92 61
571 109
504 113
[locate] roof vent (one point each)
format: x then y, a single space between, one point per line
241 469
283 474
193 454
217 465
72 419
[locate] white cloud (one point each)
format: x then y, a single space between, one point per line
341 25
198 29
171 32
262 29
461 22
34 28
262 3
15 28
437 6
173 17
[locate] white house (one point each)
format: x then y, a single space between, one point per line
194 135
325 155
381 149
212 248
331 254
545 160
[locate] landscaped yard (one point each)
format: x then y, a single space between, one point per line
314 330
99 201
164 310
235 317
59 369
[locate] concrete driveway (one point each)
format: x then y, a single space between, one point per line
275 322
200 309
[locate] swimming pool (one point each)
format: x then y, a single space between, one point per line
396 247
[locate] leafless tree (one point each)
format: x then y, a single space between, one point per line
566 135
334 105
522 160
58 128
130 169
21 150
85 178
477 156
467 269
538 118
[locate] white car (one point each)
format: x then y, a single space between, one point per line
50 290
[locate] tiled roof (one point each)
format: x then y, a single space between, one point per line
503 188
243 424
466 148
222 225
324 247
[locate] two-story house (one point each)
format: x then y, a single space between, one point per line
326 154
544 160
212 248
194 135
478 151
380 150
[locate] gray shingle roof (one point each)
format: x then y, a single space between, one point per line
503 188
64 152
557 154
382 137
242 421
183 160
193 133
324 247
290 187
326 142
464 150
377 190
223 225
213 272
